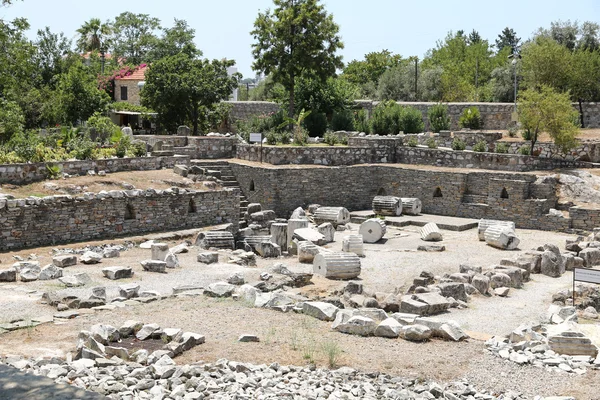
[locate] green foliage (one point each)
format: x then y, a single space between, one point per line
94 36
179 39
411 120
319 96
386 118
11 119
138 149
413 142
294 40
525 150
371 68
82 148
508 38
546 62
104 127
332 350
122 146
526 133
342 120
397 83
53 171
548 111
285 138
502 148
480 147
125 106
262 123
458 144
513 130
272 138
431 143
316 124
331 139
439 120
186 90
133 36
471 118
218 118
361 121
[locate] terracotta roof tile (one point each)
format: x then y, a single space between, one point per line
138 75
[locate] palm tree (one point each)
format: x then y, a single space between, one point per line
94 36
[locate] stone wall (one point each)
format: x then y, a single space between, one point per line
455 193
245 109
586 151
25 173
591 114
133 90
490 161
65 219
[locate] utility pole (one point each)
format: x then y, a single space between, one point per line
416 77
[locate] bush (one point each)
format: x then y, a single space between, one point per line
315 124
411 120
138 149
513 130
361 122
431 143
103 126
344 140
413 142
12 119
502 148
458 144
526 134
300 136
342 121
330 139
271 137
285 138
386 118
439 120
480 147
471 118
525 150
122 147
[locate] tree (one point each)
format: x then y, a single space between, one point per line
49 57
546 110
584 79
175 40
546 62
564 33
16 67
508 38
502 84
94 36
371 68
298 39
183 89
79 96
134 36
398 84
11 119
474 37
590 36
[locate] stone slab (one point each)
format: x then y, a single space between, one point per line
455 224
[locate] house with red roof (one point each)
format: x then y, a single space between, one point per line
127 87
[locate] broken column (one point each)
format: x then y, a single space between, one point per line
372 230
411 206
216 239
335 215
337 265
501 237
353 244
387 205
307 252
292 225
431 233
159 251
328 231
279 234
486 223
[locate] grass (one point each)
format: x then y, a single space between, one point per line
309 350
332 351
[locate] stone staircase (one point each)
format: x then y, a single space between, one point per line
223 172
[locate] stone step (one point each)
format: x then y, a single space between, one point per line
230 184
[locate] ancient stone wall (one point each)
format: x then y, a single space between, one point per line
25 173
586 151
245 109
65 219
455 193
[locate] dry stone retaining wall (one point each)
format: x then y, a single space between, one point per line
246 109
52 220
464 194
25 173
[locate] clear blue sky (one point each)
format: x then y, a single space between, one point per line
403 27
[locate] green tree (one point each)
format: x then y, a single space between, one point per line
397 83
94 36
590 36
584 82
474 37
297 39
508 38
50 56
183 89
546 62
17 69
11 119
546 110
79 95
371 68
175 40
134 36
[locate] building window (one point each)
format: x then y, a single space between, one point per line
123 92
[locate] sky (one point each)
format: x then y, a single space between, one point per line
407 28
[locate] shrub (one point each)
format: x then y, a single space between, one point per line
361 122
342 121
272 138
344 140
81 148
122 147
413 142
526 134
330 139
315 124
300 136
138 149
103 126
439 120
386 118
107 152
525 150
431 143
502 148
513 130
480 147
458 144
285 138
471 118
411 120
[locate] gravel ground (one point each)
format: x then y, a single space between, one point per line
291 338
